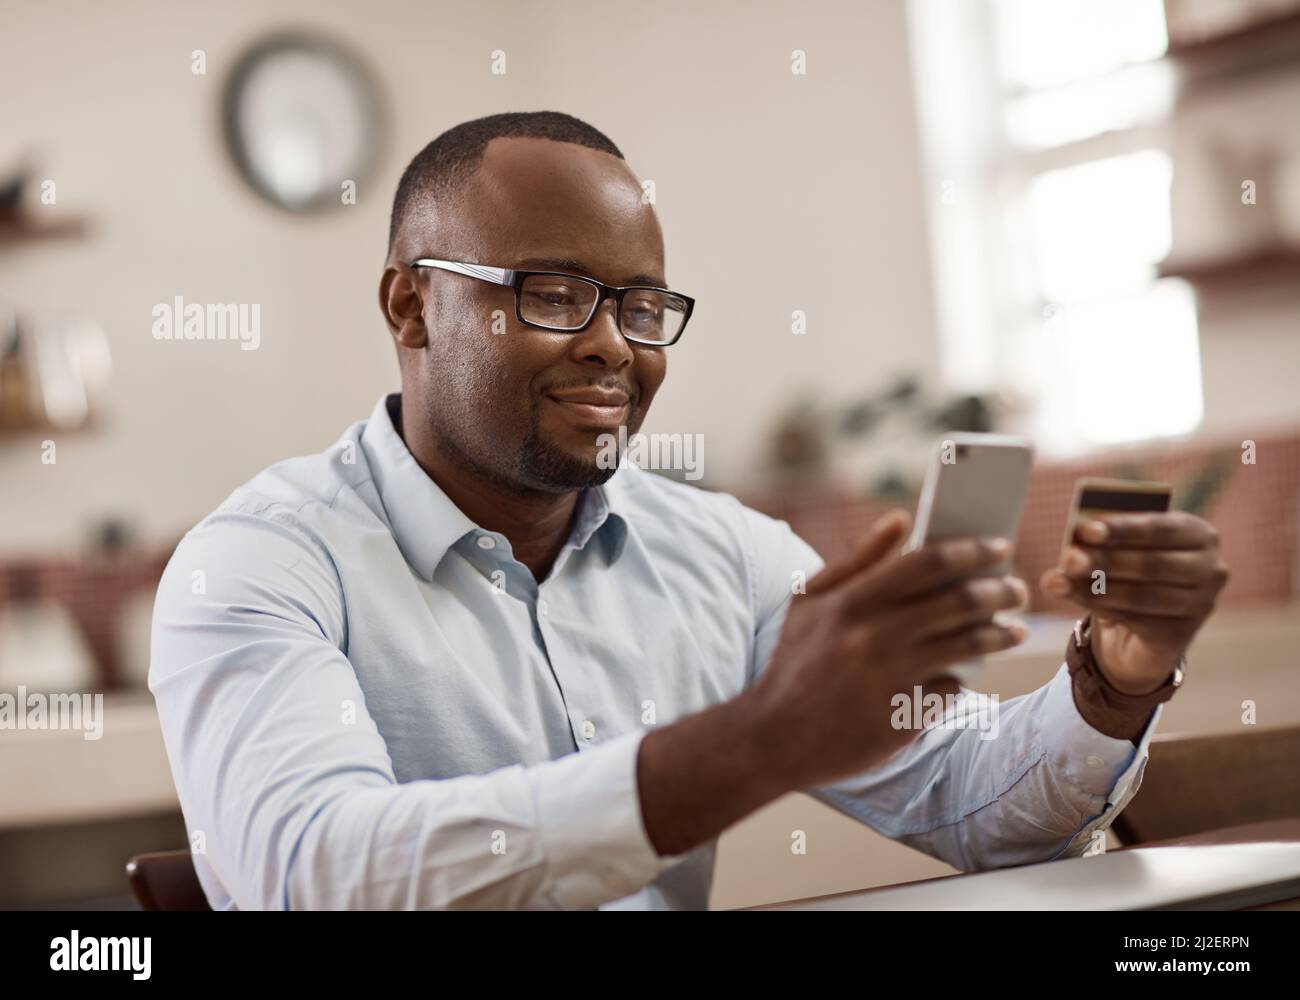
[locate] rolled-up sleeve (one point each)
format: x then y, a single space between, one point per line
286 783
1036 784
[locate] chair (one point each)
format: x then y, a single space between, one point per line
166 880
1194 784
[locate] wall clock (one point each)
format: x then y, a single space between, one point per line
303 118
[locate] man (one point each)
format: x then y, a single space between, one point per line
458 661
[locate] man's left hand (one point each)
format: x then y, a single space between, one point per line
1160 575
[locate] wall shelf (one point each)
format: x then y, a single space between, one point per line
20 229
1268 265
1264 33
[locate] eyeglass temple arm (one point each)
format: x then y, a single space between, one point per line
496 275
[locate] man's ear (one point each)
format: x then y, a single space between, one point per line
403 306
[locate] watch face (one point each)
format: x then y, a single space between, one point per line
303 121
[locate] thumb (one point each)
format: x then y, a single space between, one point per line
888 531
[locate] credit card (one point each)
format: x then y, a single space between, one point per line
1114 496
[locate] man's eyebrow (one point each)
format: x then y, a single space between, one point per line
578 267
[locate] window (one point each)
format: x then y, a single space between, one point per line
1042 128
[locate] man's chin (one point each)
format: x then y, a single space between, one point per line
562 469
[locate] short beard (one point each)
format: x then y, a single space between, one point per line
538 468
550 469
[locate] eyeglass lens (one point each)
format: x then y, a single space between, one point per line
563 303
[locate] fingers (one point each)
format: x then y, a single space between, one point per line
1141 567
1173 530
917 660
927 569
887 533
968 643
944 686
1121 598
969 603
1172 567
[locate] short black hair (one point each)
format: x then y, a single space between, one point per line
453 157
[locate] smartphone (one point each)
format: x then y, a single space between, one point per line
974 487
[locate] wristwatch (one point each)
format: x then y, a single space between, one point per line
1094 685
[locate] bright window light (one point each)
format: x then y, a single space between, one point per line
1054 117
1100 228
1134 364
1046 265
1044 44
1130 347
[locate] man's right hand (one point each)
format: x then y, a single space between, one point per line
871 626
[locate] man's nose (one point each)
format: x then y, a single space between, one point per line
602 342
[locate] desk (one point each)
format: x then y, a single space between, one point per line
1256 866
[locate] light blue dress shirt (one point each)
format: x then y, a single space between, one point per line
368 703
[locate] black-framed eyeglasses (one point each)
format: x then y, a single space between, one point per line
553 300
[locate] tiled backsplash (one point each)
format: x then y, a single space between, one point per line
1256 510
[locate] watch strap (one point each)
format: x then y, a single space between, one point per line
1094 685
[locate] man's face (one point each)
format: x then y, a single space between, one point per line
528 407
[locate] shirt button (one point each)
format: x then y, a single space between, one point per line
486 542
542 608
1094 761
588 729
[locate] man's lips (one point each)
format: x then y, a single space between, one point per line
604 407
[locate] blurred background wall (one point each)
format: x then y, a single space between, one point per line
776 192
1077 221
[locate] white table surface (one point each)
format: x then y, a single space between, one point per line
1220 875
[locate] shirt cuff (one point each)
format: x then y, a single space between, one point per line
1100 766
590 826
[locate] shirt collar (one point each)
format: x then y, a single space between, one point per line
424 521
602 509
